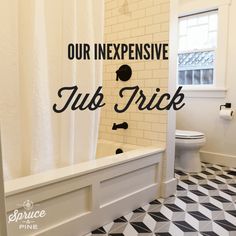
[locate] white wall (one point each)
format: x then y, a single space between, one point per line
201 114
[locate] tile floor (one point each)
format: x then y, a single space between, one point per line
204 204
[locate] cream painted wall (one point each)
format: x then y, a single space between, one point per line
202 114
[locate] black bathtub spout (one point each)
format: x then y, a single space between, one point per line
123 125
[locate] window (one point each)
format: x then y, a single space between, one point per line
197 49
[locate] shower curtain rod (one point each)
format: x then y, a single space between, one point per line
198 13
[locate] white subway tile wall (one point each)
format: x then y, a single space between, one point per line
135 21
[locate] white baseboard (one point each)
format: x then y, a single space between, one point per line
168 188
218 158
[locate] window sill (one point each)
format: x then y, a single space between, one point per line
204 92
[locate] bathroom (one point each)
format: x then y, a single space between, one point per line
101 172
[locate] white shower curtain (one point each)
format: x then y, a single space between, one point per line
34 66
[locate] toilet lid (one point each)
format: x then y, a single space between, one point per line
185 134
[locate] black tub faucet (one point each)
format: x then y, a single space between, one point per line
123 125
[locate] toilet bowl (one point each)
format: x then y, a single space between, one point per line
187 147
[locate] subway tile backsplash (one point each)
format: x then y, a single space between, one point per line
135 21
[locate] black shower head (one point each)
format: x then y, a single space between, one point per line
124 73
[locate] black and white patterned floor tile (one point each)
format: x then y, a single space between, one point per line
204 205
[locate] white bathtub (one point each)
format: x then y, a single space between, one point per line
79 198
107 148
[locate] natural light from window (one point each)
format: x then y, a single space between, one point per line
197 48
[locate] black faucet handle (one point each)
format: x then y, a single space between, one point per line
125 125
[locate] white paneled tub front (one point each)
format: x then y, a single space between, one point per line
75 200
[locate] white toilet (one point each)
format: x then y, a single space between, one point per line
187 147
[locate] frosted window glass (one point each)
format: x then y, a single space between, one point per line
182 77
197 77
189 77
183 27
212 39
197 37
192 21
213 22
203 20
198 32
182 42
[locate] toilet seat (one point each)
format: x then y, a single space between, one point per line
185 134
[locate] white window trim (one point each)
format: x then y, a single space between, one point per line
218 89
206 91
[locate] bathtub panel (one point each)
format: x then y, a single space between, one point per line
80 198
131 166
58 209
47 192
127 184
68 205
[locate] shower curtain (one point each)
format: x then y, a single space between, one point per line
33 66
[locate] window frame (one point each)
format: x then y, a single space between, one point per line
218 88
